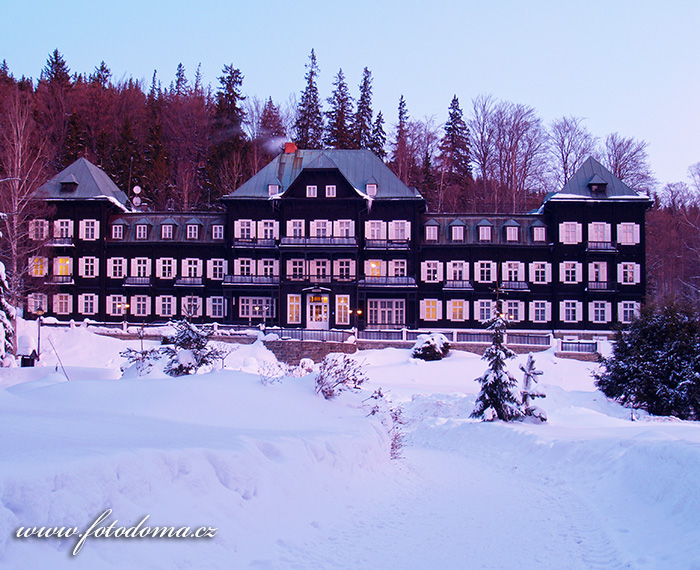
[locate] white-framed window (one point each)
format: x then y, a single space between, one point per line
88 230
458 310
141 231
140 305
400 230
345 228
217 232
321 269
321 228
628 273
344 270
140 267
297 269
373 268
570 233
399 268
342 309
431 233
457 233
457 271
38 229
38 266
87 304
514 311
599 311
165 305
192 231
484 309
431 309
191 267
165 268
37 302
512 233
294 309
268 229
216 307
311 191
627 311
485 271
295 228
88 267
431 271
485 233
256 307
540 272
539 234
63 229
268 268
386 311
540 311
570 272
191 306
371 190
330 191
599 231
570 311
598 271
217 269
273 189
166 231
62 304
513 271
628 233
63 266
117 231
116 305
376 229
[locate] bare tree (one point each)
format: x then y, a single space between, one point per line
627 159
482 136
694 175
569 146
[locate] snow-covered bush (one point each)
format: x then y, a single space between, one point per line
142 359
190 349
497 398
655 364
337 373
7 314
271 372
391 418
530 391
432 346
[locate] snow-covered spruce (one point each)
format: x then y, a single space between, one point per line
7 313
190 350
432 346
530 391
497 398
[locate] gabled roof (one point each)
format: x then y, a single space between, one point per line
358 167
93 183
592 172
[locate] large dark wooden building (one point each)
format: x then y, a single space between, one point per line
333 239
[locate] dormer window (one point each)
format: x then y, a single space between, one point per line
141 231
371 190
117 231
273 189
484 233
192 231
217 232
69 184
311 191
512 233
330 191
431 233
539 233
597 184
166 231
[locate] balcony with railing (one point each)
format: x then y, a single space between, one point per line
514 286
60 242
601 286
461 284
601 246
254 242
318 242
189 282
59 280
387 244
138 282
386 281
251 280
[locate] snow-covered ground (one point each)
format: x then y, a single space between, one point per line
290 480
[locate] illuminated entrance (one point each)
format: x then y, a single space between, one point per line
317 311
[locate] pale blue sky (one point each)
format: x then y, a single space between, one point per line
626 66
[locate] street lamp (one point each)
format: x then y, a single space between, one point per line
39 320
125 309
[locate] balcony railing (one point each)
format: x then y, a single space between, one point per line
514 285
60 242
387 282
458 284
253 242
59 280
318 241
137 282
579 346
189 282
251 280
600 286
601 246
387 244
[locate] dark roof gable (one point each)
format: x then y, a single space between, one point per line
594 173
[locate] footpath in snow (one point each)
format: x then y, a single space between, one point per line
293 481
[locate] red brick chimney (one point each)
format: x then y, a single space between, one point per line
290 148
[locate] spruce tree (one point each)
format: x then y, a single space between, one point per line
400 159
56 71
338 128
497 399
378 139
454 154
308 126
530 392
362 121
7 316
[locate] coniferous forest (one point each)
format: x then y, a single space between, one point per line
186 144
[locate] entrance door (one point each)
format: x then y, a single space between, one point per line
317 311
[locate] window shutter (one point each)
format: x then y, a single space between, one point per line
81 230
619 233
450 312
608 312
353 268
591 271
209 311
450 273
521 271
579 271
97 266
312 228
494 271
408 230
440 271
562 313
253 234
55 266
367 231
383 231
237 268
210 269
110 267
133 267
336 228
423 271
159 267
159 306
275 267
422 309
531 310
382 268
607 233
562 271
637 273
71 225
290 229
521 311
259 228
619 272
579 233
591 311
392 231
81 268
562 233
132 306
237 229
504 271
336 268
548 311
56 229
465 270
200 265
531 272
635 234
438 312
548 272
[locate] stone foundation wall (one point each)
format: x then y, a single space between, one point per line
292 351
